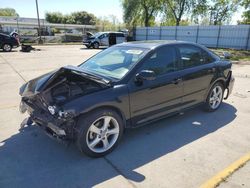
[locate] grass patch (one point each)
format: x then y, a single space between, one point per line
237 55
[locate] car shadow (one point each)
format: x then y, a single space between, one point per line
30 159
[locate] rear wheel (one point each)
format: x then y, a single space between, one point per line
215 97
7 47
99 132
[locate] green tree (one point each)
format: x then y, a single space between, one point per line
54 17
84 18
199 12
221 11
177 8
81 17
140 11
246 13
8 12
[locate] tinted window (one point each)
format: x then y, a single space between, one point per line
103 36
207 57
162 61
190 56
119 34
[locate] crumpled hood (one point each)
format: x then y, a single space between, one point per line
43 82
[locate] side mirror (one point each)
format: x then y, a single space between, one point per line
145 75
226 55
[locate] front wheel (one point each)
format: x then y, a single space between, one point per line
99 132
96 45
88 46
7 47
215 97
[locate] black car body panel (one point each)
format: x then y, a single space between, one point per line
7 39
72 92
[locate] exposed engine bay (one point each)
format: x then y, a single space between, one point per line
70 86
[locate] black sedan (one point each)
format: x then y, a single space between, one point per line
124 86
8 42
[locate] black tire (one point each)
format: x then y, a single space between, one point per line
7 47
208 106
84 123
87 46
95 45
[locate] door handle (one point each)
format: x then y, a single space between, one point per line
177 81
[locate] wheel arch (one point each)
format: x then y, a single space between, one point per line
220 80
114 108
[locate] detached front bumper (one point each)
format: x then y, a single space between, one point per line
53 126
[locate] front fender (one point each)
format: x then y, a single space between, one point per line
116 97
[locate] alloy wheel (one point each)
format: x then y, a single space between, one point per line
216 97
102 134
7 47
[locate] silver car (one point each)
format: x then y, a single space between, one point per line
104 39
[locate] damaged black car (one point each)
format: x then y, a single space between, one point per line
125 86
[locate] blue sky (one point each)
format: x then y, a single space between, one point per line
27 8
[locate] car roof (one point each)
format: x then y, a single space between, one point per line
151 44
112 32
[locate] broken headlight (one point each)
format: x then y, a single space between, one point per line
52 110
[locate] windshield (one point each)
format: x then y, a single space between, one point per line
114 62
98 34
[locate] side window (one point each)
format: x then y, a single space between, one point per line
119 35
103 36
190 56
207 57
162 61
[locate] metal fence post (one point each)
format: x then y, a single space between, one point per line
160 32
248 36
175 32
146 33
134 33
218 37
197 33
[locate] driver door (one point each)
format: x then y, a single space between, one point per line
104 39
155 98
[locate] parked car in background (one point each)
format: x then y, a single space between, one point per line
125 86
104 39
8 42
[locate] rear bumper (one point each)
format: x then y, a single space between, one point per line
230 85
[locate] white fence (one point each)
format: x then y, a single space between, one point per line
226 36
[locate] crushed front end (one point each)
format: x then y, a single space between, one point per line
44 98
49 118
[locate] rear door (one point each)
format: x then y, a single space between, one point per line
155 98
198 69
120 38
